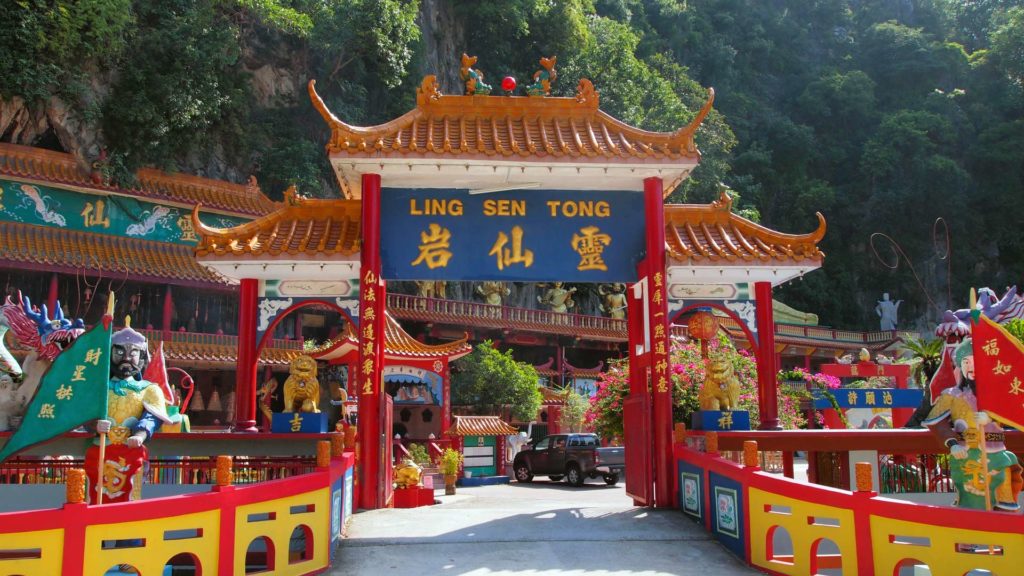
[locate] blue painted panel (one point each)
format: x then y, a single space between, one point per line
870 398
307 422
728 520
521 235
718 420
691 491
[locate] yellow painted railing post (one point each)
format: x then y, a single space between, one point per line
750 456
225 476
75 487
680 432
863 473
337 444
350 438
323 454
711 443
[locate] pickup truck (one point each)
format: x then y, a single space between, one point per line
574 457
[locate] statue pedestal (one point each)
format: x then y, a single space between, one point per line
308 422
413 497
718 420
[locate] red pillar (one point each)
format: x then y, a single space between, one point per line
446 399
768 401
51 298
165 323
245 383
371 351
298 326
661 385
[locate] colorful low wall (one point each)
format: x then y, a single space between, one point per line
215 529
782 526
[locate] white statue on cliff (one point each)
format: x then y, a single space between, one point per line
887 311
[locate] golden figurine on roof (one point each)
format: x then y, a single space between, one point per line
543 78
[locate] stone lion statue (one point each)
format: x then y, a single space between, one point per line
721 390
301 389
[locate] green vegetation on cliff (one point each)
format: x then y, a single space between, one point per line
882 114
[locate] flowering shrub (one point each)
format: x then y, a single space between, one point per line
794 396
687 370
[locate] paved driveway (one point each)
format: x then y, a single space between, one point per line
540 529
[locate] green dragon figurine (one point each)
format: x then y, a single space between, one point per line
543 78
474 79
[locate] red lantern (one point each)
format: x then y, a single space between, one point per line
703 325
508 83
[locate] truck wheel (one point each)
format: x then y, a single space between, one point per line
573 475
556 477
611 479
523 473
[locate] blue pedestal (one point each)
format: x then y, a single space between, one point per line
309 422
718 420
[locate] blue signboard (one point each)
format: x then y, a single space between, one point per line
870 398
520 235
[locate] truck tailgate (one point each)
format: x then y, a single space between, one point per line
612 456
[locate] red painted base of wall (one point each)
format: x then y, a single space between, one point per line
413 497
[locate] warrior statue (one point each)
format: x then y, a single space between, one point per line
977 488
558 298
614 299
493 292
136 408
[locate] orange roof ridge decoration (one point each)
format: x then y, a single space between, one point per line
77 250
481 426
513 130
300 227
398 344
712 233
60 168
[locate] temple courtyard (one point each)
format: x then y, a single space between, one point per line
543 528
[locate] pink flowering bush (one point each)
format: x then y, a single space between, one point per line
795 395
687 371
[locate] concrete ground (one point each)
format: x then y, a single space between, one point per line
538 529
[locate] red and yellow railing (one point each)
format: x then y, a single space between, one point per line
224 531
783 526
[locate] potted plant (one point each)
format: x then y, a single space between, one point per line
451 460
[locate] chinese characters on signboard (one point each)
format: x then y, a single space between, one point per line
536 235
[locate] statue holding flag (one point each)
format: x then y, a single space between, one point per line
136 408
988 371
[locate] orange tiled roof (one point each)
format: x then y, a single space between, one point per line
480 426
72 249
706 233
60 168
551 129
222 354
397 344
304 226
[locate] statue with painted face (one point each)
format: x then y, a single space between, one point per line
136 408
985 473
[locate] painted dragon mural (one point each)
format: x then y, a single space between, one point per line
44 336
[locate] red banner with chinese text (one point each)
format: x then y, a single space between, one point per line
999 372
121 464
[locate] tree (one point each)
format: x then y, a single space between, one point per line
572 417
490 380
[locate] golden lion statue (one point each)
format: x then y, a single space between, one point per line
407 474
301 389
721 390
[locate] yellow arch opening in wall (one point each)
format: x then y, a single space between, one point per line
276 519
158 549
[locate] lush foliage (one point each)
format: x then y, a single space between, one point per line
573 414
490 380
925 356
419 455
884 116
1016 328
688 372
450 461
798 386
